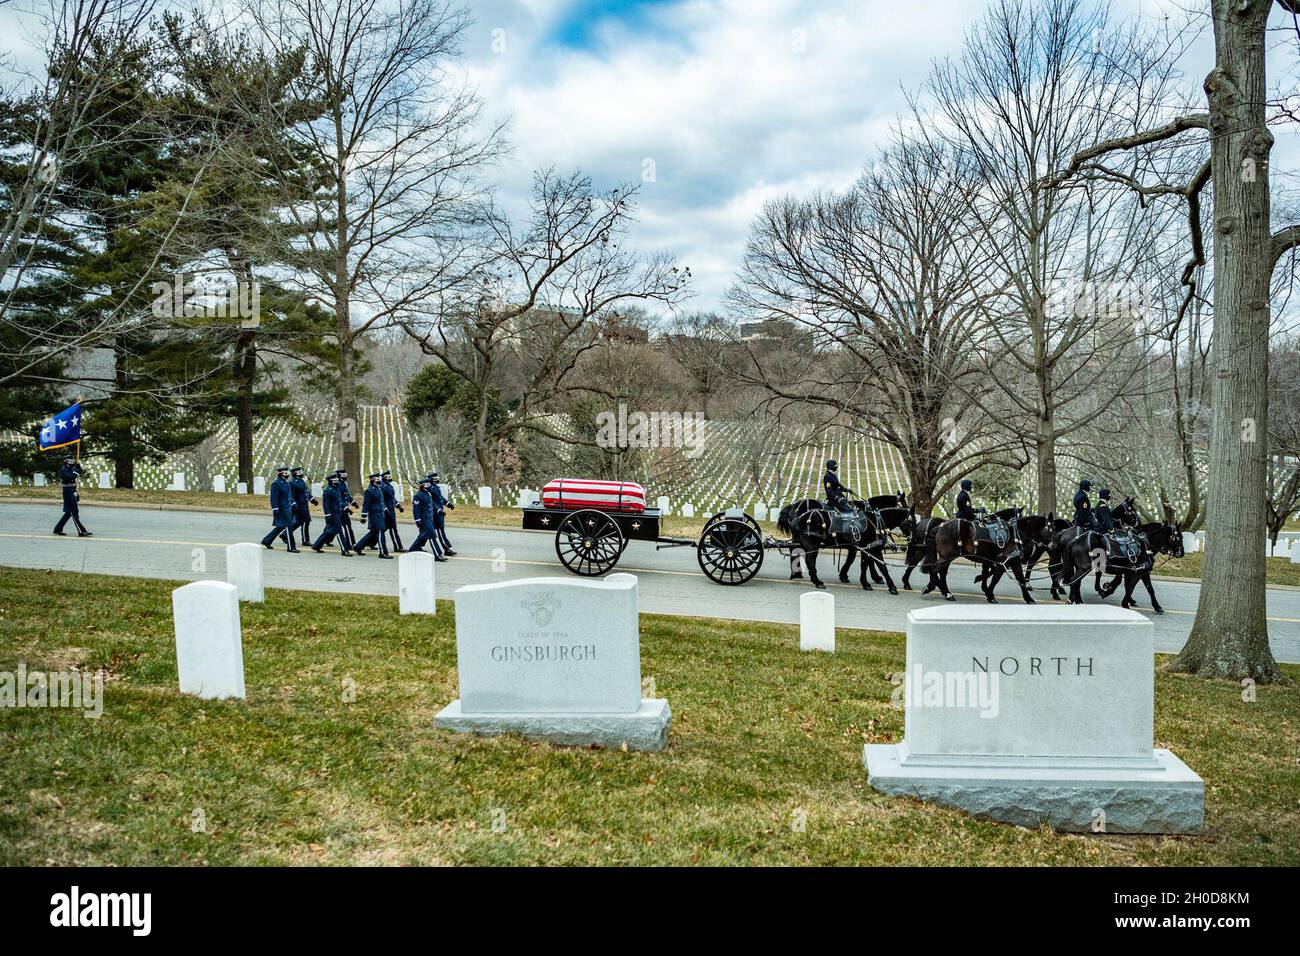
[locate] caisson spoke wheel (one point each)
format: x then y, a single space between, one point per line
589 542
730 551
747 518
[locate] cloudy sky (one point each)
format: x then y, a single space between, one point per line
732 101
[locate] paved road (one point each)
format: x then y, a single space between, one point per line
185 546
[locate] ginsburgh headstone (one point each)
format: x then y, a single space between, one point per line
556 659
1032 715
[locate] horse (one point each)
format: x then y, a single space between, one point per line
896 515
808 522
1156 537
1076 551
959 538
1034 533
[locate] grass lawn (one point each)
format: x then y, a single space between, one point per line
761 735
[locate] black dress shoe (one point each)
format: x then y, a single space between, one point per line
85 534
440 559
385 557
449 553
348 554
61 534
269 547
402 550
317 550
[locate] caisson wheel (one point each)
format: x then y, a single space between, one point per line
730 551
589 542
746 517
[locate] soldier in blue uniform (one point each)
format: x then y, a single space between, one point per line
422 512
302 500
68 475
964 507
332 507
372 513
837 495
391 507
282 511
1083 506
348 535
441 505
1102 517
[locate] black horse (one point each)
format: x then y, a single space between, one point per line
1034 533
1157 537
894 513
1076 551
998 546
809 523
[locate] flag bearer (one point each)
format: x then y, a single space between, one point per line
68 475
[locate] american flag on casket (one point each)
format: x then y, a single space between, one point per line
571 493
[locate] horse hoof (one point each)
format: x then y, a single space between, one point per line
895 590
844 579
794 577
1029 600
1158 609
925 590
993 600
867 587
949 597
820 586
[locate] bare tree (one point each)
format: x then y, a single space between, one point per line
537 302
1229 637
397 146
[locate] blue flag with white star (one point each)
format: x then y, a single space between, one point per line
63 429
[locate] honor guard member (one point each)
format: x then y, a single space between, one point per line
441 504
348 535
301 500
282 511
372 513
422 512
964 507
837 495
1083 506
391 507
332 507
1102 517
69 472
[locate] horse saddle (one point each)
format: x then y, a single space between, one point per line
846 523
1124 545
993 530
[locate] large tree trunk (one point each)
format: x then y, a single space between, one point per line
348 423
1229 637
123 440
1045 459
245 372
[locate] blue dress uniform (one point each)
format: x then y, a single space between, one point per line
282 511
422 512
964 507
1083 506
332 506
68 475
836 493
440 506
302 499
1105 521
373 507
391 507
349 537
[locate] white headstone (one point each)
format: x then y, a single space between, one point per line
259 484
760 511
1032 715
317 489
1189 543
209 647
557 659
484 497
103 479
817 621
416 583
38 480
244 570
241 487
178 481
688 510
1295 552
662 504
5 478
1268 548
219 484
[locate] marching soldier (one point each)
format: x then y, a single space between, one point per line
422 512
964 507
301 500
372 513
282 511
836 493
441 504
68 475
332 506
391 507
1083 506
348 535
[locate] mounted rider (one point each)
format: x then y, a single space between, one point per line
1103 517
964 507
1083 515
844 517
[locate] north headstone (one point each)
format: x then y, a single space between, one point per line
416 583
259 484
817 621
209 646
1032 715
244 570
484 496
219 484
554 659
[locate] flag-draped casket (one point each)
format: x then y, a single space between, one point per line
571 493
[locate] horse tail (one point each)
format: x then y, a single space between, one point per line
783 521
